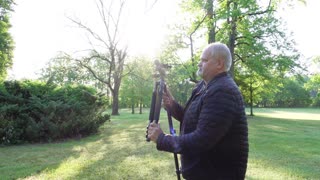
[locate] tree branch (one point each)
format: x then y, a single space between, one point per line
95 35
261 12
239 58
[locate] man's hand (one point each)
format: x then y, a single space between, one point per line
154 131
167 99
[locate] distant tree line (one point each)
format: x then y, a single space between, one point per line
137 86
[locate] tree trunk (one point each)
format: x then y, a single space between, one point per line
115 103
117 81
140 107
115 97
251 99
193 76
232 37
132 108
211 25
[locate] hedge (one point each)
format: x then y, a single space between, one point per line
32 111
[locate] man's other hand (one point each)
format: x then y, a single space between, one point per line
154 131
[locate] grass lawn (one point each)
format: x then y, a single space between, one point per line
284 144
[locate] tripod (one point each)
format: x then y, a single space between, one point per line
155 108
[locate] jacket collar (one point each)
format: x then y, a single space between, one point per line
218 76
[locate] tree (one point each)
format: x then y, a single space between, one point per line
6 41
137 86
64 70
292 94
251 85
313 86
111 54
261 49
178 79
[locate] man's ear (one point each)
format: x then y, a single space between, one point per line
220 63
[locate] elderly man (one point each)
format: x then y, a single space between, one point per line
213 140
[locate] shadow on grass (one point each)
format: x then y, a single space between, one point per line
287 147
119 151
130 157
21 161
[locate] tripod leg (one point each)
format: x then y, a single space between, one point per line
152 107
173 133
177 165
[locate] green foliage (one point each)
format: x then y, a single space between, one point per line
179 83
63 70
291 94
261 42
286 92
6 41
137 85
313 86
263 51
32 111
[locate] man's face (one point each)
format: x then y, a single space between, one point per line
208 67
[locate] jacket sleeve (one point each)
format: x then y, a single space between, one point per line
177 111
215 120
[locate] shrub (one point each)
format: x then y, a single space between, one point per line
32 111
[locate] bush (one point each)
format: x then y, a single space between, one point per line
31 111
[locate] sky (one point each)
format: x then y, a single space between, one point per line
303 21
41 29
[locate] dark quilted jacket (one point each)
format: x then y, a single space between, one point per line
213 140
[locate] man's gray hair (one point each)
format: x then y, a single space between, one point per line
221 50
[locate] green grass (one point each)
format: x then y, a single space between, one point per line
284 144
